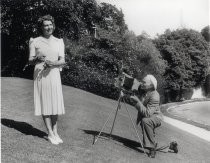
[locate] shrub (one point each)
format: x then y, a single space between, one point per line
89 78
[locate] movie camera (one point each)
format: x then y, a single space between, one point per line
127 83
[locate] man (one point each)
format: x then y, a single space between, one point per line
149 114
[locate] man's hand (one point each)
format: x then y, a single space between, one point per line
121 94
135 98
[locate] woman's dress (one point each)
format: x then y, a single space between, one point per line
48 96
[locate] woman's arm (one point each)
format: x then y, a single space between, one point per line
61 59
33 60
32 52
59 63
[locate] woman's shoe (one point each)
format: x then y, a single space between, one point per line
58 139
53 140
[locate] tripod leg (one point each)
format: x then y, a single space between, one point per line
134 127
107 121
162 148
118 107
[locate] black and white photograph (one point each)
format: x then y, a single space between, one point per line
105 81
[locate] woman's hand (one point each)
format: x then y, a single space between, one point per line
40 58
36 59
49 64
58 64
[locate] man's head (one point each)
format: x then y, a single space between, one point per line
149 82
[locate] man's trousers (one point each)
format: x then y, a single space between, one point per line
148 126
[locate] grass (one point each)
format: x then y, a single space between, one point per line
23 134
183 118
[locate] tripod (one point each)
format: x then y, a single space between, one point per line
121 98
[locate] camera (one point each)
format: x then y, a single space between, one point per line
127 83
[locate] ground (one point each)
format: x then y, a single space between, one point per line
23 134
194 111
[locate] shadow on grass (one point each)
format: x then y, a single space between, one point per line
23 127
126 142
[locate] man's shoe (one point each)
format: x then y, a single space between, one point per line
152 153
173 146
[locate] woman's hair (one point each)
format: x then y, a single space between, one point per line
44 18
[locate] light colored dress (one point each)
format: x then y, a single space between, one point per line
48 96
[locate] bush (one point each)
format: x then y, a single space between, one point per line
207 86
79 75
186 53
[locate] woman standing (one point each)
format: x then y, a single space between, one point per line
47 54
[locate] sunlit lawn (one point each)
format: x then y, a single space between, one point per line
23 134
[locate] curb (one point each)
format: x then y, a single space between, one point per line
197 131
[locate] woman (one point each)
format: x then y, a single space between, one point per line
47 54
149 114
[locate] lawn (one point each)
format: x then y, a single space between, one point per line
194 111
23 134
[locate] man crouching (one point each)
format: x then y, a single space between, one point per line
149 114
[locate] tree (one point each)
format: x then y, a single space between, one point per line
19 23
206 33
151 62
113 19
143 54
74 20
186 53
150 59
207 84
143 36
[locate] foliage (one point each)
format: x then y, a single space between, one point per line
92 72
186 54
142 55
150 59
151 62
74 22
207 83
94 59
206 33
113 19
